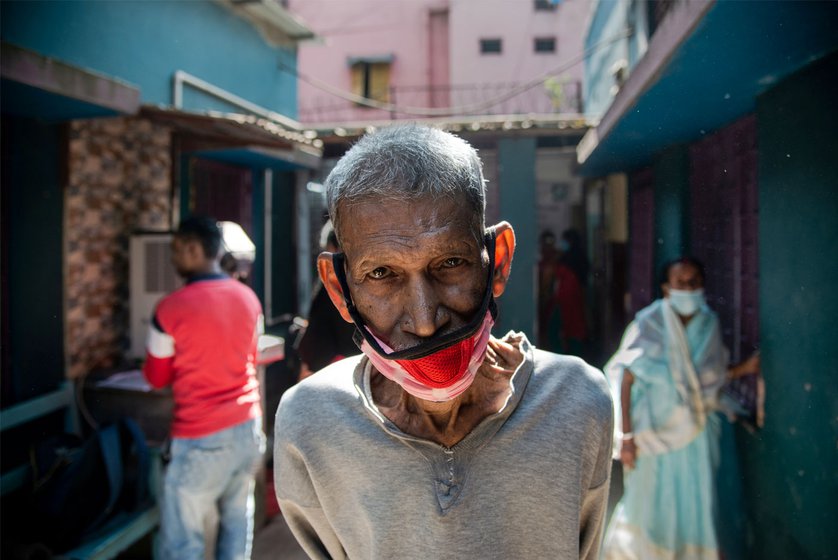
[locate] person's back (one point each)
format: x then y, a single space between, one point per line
213 320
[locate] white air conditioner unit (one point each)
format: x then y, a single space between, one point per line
152 277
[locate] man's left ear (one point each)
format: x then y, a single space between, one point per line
504 249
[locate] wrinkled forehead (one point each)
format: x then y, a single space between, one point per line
366 217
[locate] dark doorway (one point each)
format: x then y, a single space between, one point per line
224 192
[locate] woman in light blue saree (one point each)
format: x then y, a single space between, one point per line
666 379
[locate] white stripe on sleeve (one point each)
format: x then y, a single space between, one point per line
159 344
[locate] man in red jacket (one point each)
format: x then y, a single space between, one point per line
202 342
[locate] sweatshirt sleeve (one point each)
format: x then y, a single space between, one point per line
311 529
297 496
592 520
595 499
160 356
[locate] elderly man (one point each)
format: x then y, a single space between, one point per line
440 441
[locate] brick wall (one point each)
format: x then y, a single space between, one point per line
119 180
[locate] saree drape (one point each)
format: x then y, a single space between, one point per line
667 510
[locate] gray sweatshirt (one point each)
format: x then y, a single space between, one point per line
528 482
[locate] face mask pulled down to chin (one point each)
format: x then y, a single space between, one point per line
439 369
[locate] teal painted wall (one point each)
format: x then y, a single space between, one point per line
610 18
284 257
735 53
145 42
282 247
516 175
34 202
672 204
671 240
791 470
257 274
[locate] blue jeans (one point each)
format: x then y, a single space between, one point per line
209 477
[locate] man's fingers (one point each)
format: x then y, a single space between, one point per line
507 353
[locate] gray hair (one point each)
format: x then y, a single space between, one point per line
407 162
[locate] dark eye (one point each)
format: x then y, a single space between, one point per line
379 273
452 262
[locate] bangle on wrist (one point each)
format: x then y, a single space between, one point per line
628 435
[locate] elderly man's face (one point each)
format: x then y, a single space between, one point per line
415 269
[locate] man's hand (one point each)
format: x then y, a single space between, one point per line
628 453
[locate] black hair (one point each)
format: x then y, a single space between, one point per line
573 238
203 229
686 259
545 235
228 263
574 257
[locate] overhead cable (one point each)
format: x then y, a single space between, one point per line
462 109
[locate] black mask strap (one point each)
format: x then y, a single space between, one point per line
425 349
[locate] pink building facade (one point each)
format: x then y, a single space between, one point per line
435 58
540 46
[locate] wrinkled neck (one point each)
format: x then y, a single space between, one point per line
448 422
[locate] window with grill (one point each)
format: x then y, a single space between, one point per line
371 80
544 44
491 46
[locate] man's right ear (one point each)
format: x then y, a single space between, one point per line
326 269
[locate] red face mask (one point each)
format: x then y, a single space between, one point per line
440 376
436 369
443 367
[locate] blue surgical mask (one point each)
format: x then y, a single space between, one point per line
686 302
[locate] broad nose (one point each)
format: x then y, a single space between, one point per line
424 314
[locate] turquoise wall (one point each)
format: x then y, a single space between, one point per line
257 280
516 176
671 240
736 52
284 257
283 254
609 19
145 42
791 471
672 206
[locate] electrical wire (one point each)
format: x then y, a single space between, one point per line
462 109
